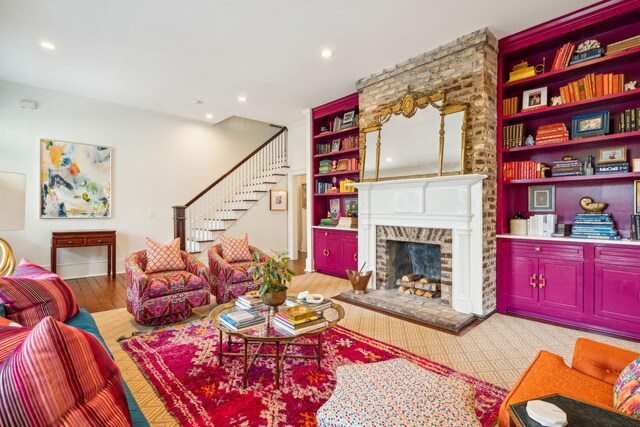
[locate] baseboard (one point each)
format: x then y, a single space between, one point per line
86 269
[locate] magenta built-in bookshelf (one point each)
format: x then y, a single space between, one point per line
578 282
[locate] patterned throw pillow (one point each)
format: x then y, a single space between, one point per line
33 293
235 250
163 257
61 375
626 390
10 338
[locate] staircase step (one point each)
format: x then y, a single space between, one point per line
269 182
204 241
279 174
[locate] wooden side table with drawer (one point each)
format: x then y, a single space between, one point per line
74 239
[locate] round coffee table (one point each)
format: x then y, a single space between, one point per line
265 334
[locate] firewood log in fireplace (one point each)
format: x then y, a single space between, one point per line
413 277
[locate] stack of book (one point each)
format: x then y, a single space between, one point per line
249 300
563 56
542 225
513 136
319 307
551 133
336 125
635 227
594 226
592 86
240 320
527 169
566 168
629 120
510 106
324 166
620 46
298 320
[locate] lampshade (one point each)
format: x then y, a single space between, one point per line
12 197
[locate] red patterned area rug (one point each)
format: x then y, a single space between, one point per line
181 363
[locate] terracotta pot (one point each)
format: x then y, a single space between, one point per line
274 299
359 281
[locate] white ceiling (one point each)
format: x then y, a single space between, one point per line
161 54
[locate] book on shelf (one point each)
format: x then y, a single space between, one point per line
563 56
635 227
623 45
337 145
551 133
249 300
592 86
510 106
542 225
594 226
324 166
527 169
605 168
346 185
629 120
513 136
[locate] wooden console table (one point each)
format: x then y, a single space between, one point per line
74 239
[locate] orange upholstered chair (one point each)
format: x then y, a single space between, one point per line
594 370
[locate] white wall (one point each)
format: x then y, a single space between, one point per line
158 161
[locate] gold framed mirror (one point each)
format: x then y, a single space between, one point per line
418 135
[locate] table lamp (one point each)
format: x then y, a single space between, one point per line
12 197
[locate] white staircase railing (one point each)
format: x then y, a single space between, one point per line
204 218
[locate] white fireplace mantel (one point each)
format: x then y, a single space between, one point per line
451 202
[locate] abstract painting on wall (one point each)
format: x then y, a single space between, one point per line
75 180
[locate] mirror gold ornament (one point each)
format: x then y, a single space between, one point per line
432 143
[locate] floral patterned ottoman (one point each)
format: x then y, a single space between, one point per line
396 393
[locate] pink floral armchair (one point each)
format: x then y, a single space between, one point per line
166 296
230 280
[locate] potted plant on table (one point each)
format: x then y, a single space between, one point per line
274 276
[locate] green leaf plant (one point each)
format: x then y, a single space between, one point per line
273 274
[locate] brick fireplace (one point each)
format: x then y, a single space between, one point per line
406 250
466 70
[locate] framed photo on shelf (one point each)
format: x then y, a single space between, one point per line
591 124
278 200
348 119
542 198
612 155
635 163
335 145
636 196
534 98
342 165
334 208
350 206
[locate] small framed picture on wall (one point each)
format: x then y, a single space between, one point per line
542 198
278 200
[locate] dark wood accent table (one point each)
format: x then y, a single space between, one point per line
579 413
74 239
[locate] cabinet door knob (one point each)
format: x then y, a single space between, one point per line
328 252
326 234
355 257
543 281
538 249
532 280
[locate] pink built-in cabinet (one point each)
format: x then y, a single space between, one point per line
581 283
587 285
335 251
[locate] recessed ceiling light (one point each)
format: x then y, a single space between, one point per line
327 53
389 159
48 45
242 98
209 116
